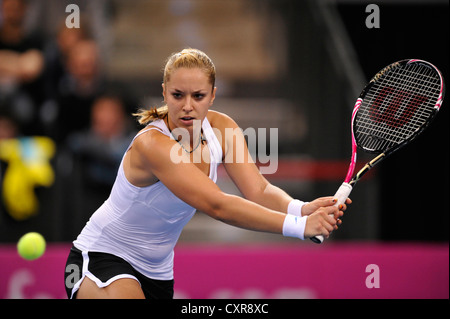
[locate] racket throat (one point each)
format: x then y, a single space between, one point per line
367 168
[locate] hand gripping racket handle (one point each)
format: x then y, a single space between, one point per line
341 196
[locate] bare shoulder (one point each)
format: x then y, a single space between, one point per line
150 142
220 120
148 151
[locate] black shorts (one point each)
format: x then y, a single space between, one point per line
104 269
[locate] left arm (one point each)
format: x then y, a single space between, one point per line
264 193
259 190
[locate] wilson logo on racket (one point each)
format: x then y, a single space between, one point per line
395 107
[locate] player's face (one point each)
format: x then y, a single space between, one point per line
188 95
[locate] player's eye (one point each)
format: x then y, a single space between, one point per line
199 96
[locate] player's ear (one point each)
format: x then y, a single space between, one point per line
213 96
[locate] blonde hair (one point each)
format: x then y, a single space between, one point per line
187 58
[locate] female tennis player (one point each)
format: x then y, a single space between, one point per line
168 172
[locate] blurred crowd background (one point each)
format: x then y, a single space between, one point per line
67 94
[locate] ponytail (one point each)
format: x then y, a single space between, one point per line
147 116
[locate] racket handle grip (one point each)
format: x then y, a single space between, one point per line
341 196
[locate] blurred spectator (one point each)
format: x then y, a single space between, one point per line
99 149
21 65
56 53
82 84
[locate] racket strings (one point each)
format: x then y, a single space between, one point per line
416 88
396 106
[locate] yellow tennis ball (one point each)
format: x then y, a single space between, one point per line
31 246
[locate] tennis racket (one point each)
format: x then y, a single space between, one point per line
396 106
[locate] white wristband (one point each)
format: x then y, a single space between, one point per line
295 207
294 226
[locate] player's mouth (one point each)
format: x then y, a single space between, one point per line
187 120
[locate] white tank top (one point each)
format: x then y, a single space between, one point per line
143 224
